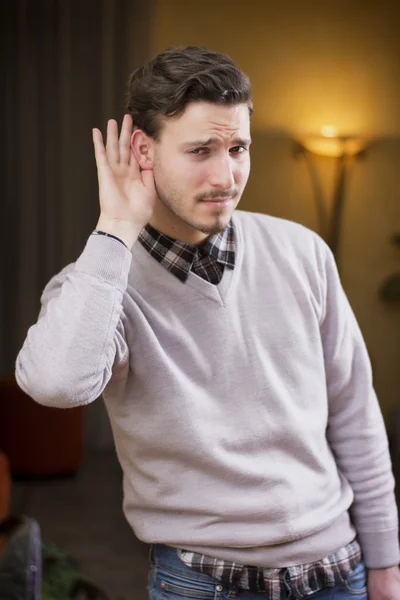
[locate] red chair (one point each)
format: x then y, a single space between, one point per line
39 441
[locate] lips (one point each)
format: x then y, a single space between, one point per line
217 199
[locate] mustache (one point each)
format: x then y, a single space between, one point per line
215 194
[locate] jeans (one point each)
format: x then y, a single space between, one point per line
171 579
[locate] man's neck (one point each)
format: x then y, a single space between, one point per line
179 232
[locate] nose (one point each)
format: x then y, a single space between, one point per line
222 176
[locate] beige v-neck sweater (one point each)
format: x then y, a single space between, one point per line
244 415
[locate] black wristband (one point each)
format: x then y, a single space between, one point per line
97 232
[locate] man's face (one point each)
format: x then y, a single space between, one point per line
201 165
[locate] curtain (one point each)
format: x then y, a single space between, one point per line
66 63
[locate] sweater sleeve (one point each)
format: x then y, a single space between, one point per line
70 352
356 430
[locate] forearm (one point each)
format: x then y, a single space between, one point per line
357 436
68 354
356 431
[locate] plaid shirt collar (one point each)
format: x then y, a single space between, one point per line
207 260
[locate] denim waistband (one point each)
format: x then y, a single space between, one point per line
257 579
167 557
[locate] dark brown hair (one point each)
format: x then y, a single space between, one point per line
164 86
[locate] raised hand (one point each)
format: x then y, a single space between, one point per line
126 194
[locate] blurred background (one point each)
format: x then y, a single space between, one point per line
326 153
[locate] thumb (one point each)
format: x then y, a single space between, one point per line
148 180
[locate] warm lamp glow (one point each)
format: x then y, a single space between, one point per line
329 131
322 93
329 143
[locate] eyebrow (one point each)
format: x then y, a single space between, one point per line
235 142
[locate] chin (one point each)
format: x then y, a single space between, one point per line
212 224
216 227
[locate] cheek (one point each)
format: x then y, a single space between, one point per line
193 175
243 172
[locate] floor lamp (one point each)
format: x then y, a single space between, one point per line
345 150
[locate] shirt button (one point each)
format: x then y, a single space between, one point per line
219 588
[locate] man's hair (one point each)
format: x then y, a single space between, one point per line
174 78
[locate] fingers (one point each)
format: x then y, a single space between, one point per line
134 166
125 140
148 180
117 151
99 150
112 147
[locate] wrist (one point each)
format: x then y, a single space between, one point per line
384 570
379 576
123 230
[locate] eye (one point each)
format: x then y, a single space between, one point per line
238 149
199 151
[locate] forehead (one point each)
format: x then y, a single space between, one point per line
205 119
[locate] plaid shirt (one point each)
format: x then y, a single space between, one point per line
303 579
208 261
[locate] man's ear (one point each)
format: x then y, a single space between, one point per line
143 149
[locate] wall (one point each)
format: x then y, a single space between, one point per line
313 64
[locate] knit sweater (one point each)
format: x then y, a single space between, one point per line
243 413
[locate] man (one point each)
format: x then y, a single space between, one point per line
235 376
